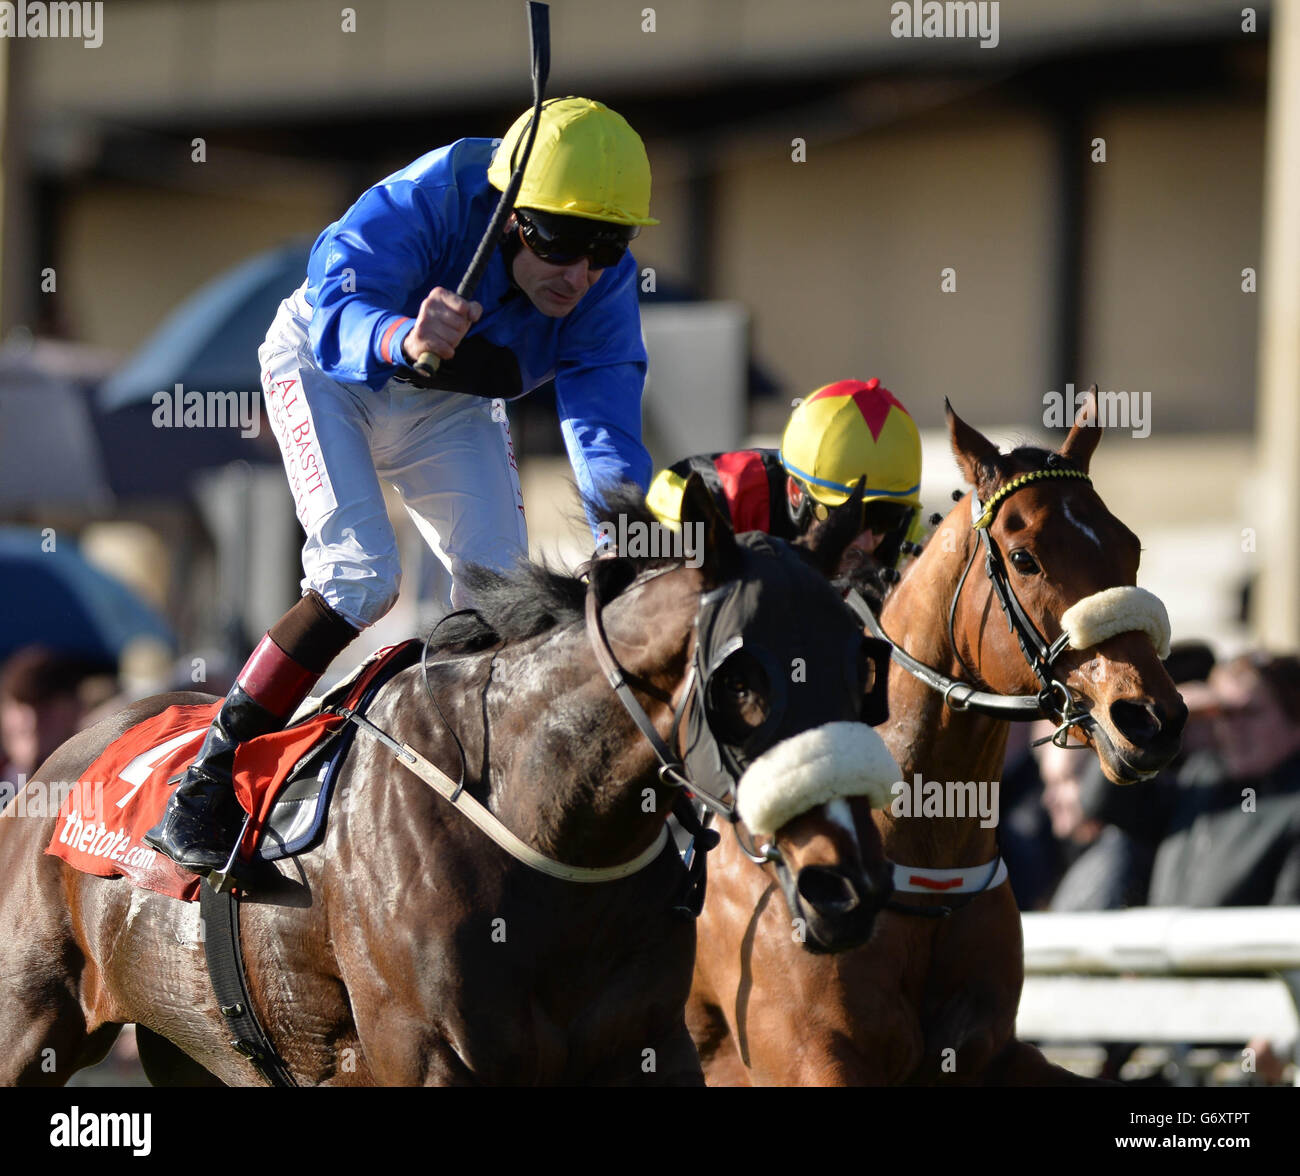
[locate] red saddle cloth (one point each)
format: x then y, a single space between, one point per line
122 795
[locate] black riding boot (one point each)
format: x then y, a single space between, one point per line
203 818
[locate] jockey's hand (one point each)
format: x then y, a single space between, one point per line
441 324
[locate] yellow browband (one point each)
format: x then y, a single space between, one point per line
1016 483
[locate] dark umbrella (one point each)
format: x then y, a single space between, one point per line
58 599
208 346
50 452
210 341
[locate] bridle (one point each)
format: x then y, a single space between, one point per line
672 771
1055 700
715 785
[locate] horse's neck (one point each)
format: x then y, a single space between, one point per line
928 738
570 772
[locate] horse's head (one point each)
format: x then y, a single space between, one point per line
1067 569
778 681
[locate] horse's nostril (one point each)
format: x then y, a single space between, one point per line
827 890
1137 721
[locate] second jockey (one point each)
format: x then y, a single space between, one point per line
558 300
841 433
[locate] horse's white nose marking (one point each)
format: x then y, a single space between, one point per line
1087 530
838 811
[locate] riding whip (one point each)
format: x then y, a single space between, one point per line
539 37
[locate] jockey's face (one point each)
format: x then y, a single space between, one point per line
858 553
553 289
868 541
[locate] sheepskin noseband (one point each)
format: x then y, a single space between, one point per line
1117 610
811 768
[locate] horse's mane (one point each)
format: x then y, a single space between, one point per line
533 598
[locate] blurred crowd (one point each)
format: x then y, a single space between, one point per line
47 696
1219 827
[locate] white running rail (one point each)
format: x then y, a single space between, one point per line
1163 975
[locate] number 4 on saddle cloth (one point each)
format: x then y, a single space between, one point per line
283 780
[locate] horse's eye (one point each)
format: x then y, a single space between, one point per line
1024 563
738 696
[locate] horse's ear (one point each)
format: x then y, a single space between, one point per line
1085 433
826 541
976 454
715 542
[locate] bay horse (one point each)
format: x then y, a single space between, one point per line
932 997
407 949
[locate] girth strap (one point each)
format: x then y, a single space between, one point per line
220 915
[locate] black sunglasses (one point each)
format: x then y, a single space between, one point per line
564 240
879 517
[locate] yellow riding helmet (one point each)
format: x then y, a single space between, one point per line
849 429
586 161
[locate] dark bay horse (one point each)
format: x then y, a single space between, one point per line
932 1000
409 949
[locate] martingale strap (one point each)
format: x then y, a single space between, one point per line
962 880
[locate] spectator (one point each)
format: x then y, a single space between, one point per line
1232 822
43 695
1106 867
1122 826
1025 832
